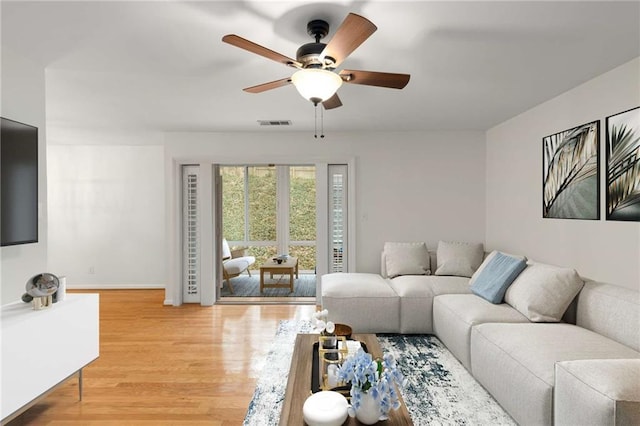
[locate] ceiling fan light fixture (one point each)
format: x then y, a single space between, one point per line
315 84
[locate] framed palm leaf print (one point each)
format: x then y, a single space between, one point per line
571 170
623 166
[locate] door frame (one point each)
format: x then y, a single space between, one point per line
211 272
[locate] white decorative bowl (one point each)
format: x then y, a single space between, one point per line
326 408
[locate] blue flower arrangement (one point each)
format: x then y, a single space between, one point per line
376 377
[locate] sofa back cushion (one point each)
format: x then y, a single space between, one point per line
459 258
543 292
610 310
406 259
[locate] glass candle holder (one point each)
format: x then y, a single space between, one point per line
332 350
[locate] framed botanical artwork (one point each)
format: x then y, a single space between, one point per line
623 165
571 172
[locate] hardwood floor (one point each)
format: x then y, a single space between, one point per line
163 365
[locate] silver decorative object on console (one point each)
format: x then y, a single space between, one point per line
42 287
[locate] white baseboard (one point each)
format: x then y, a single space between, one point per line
116 287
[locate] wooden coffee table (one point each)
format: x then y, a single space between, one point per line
289 267
299 383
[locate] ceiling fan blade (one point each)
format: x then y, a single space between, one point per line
371 78
268 86
353 31
252 47
332 102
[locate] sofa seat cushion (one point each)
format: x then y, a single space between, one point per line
416 299
366 302
522 357
455 314
597 392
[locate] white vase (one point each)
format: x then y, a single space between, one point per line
368 412
61 294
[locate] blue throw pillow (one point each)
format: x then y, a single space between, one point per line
492 283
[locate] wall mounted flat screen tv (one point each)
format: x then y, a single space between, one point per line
19 183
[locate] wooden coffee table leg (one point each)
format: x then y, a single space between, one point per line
291 280
261 279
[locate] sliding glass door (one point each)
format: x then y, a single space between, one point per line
301 210
270 210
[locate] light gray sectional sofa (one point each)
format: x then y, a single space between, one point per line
583 370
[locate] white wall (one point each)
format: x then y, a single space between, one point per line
107 215
410 186
23 95
602 250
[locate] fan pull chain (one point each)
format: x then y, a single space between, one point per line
315 121
315 135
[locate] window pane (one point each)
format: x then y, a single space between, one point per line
306 257
262 254
233 203
262 203
302 203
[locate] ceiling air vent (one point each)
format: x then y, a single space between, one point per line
274 122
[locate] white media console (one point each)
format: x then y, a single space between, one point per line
41 349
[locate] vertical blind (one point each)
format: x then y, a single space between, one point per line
337 218
191 235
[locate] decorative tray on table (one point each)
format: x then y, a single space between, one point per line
315 375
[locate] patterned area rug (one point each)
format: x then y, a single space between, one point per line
266 404
249 286
440 391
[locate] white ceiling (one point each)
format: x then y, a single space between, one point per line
162 65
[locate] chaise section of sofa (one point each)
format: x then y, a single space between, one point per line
597 392
515 363
505 357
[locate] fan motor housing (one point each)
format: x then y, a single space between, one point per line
309 54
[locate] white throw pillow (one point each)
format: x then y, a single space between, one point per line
488 259
226 251
543 292
459 259
406 259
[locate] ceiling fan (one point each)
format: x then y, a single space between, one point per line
316 79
